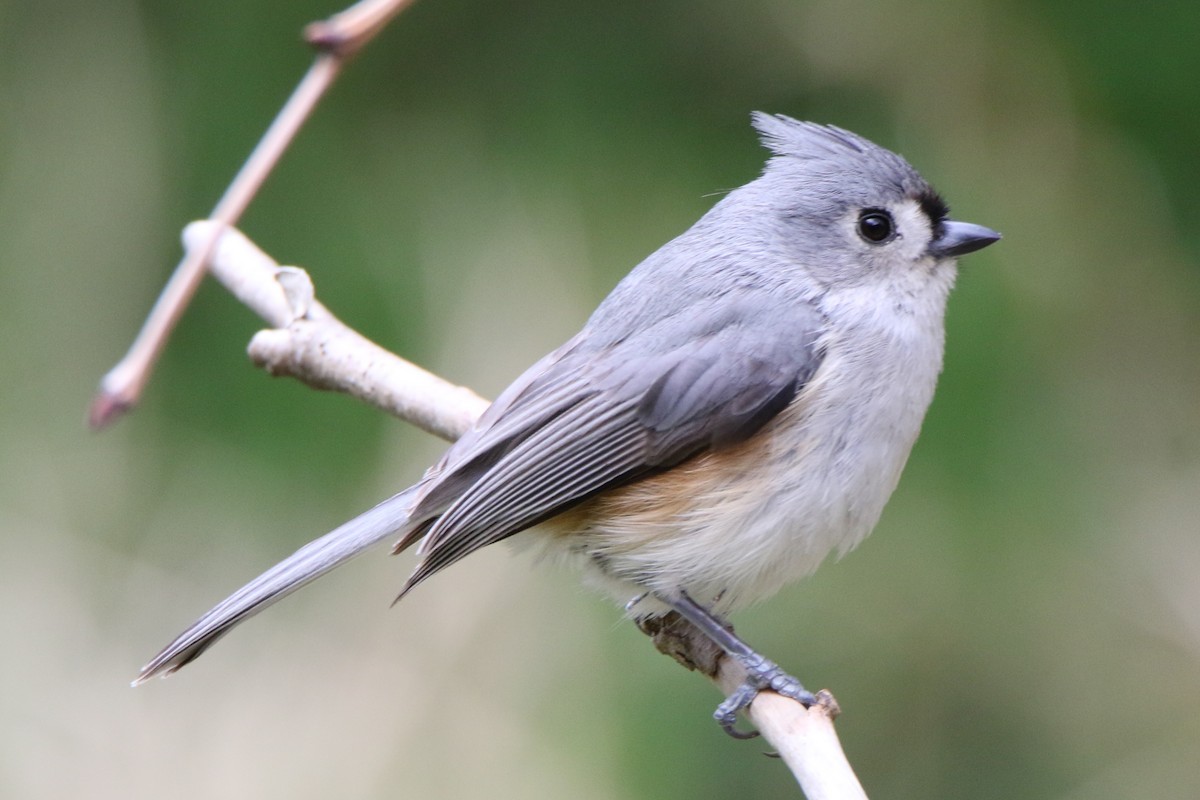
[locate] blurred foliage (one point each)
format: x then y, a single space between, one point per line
1024 623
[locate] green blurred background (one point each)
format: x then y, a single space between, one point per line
1025 621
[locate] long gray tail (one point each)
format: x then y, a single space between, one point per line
306 564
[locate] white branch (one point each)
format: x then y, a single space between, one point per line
803 737
309 343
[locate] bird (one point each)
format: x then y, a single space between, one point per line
739 408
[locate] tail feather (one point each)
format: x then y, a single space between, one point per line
306 564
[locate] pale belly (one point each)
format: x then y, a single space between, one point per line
731 527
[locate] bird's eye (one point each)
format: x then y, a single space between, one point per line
876 226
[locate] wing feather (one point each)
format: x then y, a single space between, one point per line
595 418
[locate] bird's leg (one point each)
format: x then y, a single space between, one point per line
761 672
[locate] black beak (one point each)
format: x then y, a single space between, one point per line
959 238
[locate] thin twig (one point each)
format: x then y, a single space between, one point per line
121 388
337 39
347 32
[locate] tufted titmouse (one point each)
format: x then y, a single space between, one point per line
740 406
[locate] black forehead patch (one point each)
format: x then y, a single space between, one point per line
934 206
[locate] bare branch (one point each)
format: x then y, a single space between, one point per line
309 343
347 32
337 38
803 737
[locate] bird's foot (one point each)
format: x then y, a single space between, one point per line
761 674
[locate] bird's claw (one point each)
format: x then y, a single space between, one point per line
761 673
